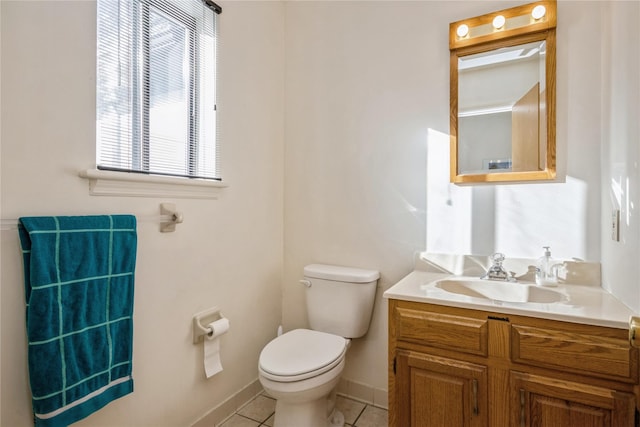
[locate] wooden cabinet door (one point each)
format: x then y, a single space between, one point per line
525 138
537 401
433 391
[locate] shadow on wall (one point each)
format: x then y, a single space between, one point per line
516 219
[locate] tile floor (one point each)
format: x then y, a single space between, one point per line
260 412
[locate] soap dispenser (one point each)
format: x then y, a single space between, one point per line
546 271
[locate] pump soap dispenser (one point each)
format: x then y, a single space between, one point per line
546 270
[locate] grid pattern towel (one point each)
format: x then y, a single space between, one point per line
79 282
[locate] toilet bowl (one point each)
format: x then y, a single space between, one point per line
301 368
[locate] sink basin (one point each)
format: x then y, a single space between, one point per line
500 291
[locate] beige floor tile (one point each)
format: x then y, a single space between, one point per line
373 417
349 408
238 421
269 422
259 409
260 412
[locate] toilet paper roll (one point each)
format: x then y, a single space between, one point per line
218 327
212 363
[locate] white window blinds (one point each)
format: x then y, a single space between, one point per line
156 87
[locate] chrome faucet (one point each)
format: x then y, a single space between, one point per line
496 271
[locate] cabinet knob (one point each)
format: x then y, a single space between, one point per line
634 331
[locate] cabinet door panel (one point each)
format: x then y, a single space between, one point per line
437 400
451 332
538 401
575 352
550 411
442 392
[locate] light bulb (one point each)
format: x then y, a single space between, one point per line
462 30
538 12
498 22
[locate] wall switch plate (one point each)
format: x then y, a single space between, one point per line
615 225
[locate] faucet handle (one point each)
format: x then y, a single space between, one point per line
497 258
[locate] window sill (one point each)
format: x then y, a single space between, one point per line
108 183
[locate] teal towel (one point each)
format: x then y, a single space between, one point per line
79 282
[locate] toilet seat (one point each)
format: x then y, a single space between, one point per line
301 354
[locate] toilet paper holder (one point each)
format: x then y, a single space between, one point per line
201 321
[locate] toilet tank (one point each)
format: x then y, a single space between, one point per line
340 299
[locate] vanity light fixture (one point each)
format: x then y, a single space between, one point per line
462 30
538 12
528 18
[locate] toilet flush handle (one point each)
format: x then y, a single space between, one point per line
306 282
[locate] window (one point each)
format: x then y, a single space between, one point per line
156 110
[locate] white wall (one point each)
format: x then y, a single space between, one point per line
621 153
227 253
367 84
364 83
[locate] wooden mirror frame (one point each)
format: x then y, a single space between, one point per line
542 29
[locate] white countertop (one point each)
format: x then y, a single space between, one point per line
591 305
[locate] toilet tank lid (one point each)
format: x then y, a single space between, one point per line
340 274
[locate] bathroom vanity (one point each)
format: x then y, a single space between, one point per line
458 357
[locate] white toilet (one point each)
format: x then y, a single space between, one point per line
302 368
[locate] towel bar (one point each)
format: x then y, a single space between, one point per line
168 219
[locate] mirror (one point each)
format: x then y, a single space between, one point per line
502 95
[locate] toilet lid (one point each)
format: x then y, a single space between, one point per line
301 354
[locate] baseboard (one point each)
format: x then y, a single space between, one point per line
227 408
364 393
